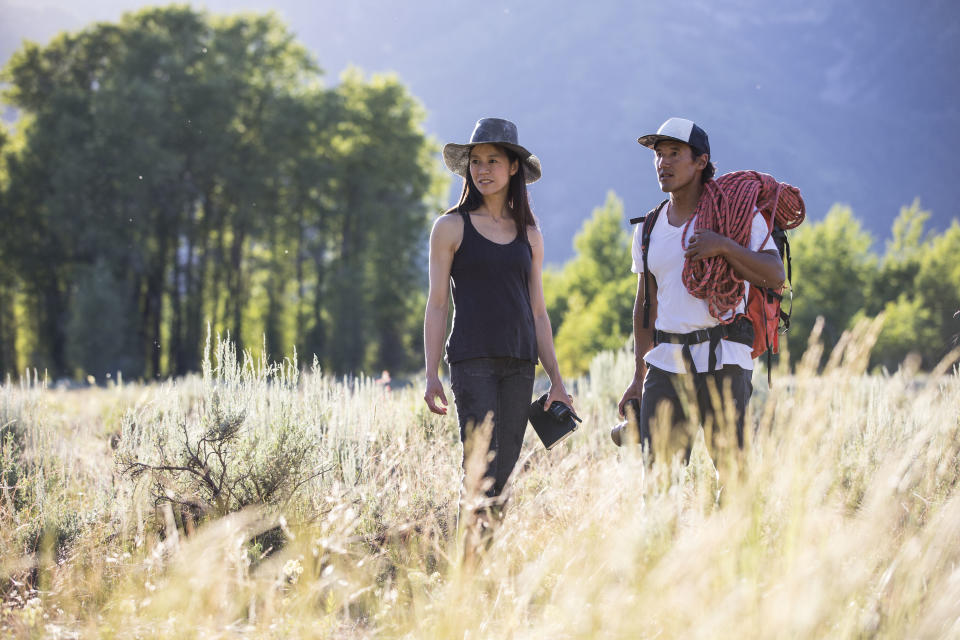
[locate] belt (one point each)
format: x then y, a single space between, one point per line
740 330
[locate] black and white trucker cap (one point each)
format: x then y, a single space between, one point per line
681 130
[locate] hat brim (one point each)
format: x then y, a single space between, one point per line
457 158
650 141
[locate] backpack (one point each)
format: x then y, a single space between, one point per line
763 306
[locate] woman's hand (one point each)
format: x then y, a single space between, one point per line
434 391
558 393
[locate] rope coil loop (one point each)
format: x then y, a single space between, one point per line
727 206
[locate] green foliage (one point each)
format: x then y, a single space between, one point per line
832 267
590 300
908 328
101 329
596 325
8 337
938 281
11 462
899 267
916 284
381 255
8 324
200 158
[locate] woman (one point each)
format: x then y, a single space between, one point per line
491 249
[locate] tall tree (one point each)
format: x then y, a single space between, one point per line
939 281
832 267
386 188
8 328
590 300
196 167
908 325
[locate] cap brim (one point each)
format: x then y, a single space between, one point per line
457 159
650 141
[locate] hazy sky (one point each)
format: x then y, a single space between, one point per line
834 97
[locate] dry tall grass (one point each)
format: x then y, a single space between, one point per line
840 519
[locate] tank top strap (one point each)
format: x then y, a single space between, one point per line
468 228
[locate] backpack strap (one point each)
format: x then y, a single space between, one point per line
783 245
648 221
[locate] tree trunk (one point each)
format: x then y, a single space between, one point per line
8 331
52 327
194 330
300 333
348 349
236 291
175 347
271 330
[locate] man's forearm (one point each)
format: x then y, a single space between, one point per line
760 268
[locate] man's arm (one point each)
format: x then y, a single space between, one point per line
642 341
761 268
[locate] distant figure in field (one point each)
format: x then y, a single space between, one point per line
679 340
489 247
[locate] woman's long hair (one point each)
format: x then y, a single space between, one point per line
517 200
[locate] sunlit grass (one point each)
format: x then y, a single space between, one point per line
840 519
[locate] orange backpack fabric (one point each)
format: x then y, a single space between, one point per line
764 307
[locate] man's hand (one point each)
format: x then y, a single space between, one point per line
634 391
706 244
434 391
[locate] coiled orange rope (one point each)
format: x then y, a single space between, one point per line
727 206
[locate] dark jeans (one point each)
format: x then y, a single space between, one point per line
661 386
503 386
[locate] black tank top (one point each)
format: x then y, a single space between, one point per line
492 316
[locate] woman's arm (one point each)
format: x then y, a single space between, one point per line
444 240
541 322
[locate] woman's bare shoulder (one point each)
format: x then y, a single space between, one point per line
448 228
534 235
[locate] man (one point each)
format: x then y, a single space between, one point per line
683 344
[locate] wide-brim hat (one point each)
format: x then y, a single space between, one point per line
491 131
681 130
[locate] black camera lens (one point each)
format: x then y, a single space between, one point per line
560 411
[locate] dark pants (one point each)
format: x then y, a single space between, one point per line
503 386
661 387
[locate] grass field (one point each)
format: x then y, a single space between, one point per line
257 501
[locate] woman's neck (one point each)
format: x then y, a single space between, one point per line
496 207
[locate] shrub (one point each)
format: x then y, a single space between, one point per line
243 445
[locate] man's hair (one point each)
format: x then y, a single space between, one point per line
709 171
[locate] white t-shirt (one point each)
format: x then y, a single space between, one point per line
677 310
